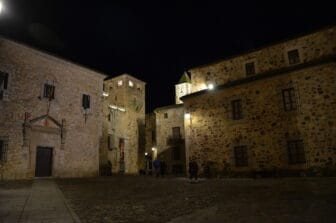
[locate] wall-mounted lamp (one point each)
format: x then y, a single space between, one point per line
211 86
187 116
146 154
153 149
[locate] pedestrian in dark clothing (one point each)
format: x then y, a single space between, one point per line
162 168
156 164
193 169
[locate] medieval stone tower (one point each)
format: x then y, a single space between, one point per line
182 88
123 125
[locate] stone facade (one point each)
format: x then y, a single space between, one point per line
41 109
272 108
123 141
170 137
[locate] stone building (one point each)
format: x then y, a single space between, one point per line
165 137
123 143
50 115
270 108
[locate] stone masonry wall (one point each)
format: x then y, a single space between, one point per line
312 46
266 127
28 71
127 124
164 134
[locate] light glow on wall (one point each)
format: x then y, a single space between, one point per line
115 107
211 86
187 115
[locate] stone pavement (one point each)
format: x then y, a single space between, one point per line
44 202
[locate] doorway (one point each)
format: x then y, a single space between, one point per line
43 162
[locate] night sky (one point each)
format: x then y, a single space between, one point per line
156 41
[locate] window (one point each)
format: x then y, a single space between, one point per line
120 83
109 117
49 91
293 56
296 152
176 132
176 153
165 115
130 84
110 142
3 84
237 112
3 151
86 101
240 154
250 69
289 99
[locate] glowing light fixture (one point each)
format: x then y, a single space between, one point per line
130 83
211 86
105 94
146 153
187 116
153 149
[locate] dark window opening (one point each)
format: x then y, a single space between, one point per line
250 68
176 132
166 115
153 136
86 101
3 151
240 153
176 153
289 99
49 91
293 56
237 111
3 80
296 152
110 142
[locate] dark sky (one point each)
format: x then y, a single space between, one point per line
156 41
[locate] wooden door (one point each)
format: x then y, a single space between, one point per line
43 162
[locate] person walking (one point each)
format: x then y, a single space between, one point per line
156 164
193 169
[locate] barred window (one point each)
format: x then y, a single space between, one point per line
289 99
293 56
237 111
86 101
49 91
250 68
240 154
296 152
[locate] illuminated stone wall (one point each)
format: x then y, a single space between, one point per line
310 47
166 119
265 129
124 120
61 123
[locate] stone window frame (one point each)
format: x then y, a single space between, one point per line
87 110
292 48
4 149
165 115
52 83
280 99
289 99
237 111
254 61
297 160
229 109
6 86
